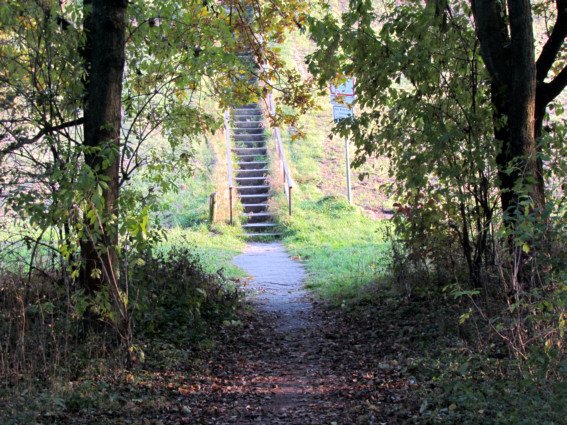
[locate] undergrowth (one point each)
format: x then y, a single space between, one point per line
52 362
462 373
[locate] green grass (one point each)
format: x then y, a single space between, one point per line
189 206
215 247
342 250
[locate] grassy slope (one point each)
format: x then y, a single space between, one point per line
342 248
185 213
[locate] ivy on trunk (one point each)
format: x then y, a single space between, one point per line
104 55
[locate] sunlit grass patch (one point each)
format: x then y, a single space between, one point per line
214 246
341 248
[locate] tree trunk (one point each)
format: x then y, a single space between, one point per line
509 57
521 113
104 54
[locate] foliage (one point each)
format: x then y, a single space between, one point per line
182 69
176 299
343 250
428 108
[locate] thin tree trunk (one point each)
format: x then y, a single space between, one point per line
104 54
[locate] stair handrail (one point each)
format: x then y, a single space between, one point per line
288 181
229 163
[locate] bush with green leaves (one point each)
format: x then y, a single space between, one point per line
425 100
176 299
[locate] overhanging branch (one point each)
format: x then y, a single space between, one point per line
557 85
24 141
554 43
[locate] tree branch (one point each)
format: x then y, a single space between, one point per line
24 141
556 86
554 43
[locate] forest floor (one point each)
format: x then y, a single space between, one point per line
293 361
290 357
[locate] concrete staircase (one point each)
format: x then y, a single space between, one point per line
251 157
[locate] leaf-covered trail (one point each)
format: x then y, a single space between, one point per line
286 371
292 363
289 359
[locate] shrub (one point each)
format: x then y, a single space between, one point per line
176 299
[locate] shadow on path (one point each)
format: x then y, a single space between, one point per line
293 361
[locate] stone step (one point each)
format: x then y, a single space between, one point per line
257 208
252 124
259 226
262 235
252 172
250 158
259 217
250 108
247 131
245 137
248 137
250 151
246 111
253 190
250 144
258 198
252 181
240 118
261 173
251 165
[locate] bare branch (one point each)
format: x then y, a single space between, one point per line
24 141
554 43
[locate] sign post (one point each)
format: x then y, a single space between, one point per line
347 164
342 98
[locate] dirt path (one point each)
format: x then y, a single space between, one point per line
276 290
277 285
292 361
291 369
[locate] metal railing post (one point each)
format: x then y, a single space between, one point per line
230 203
288 182
229 164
